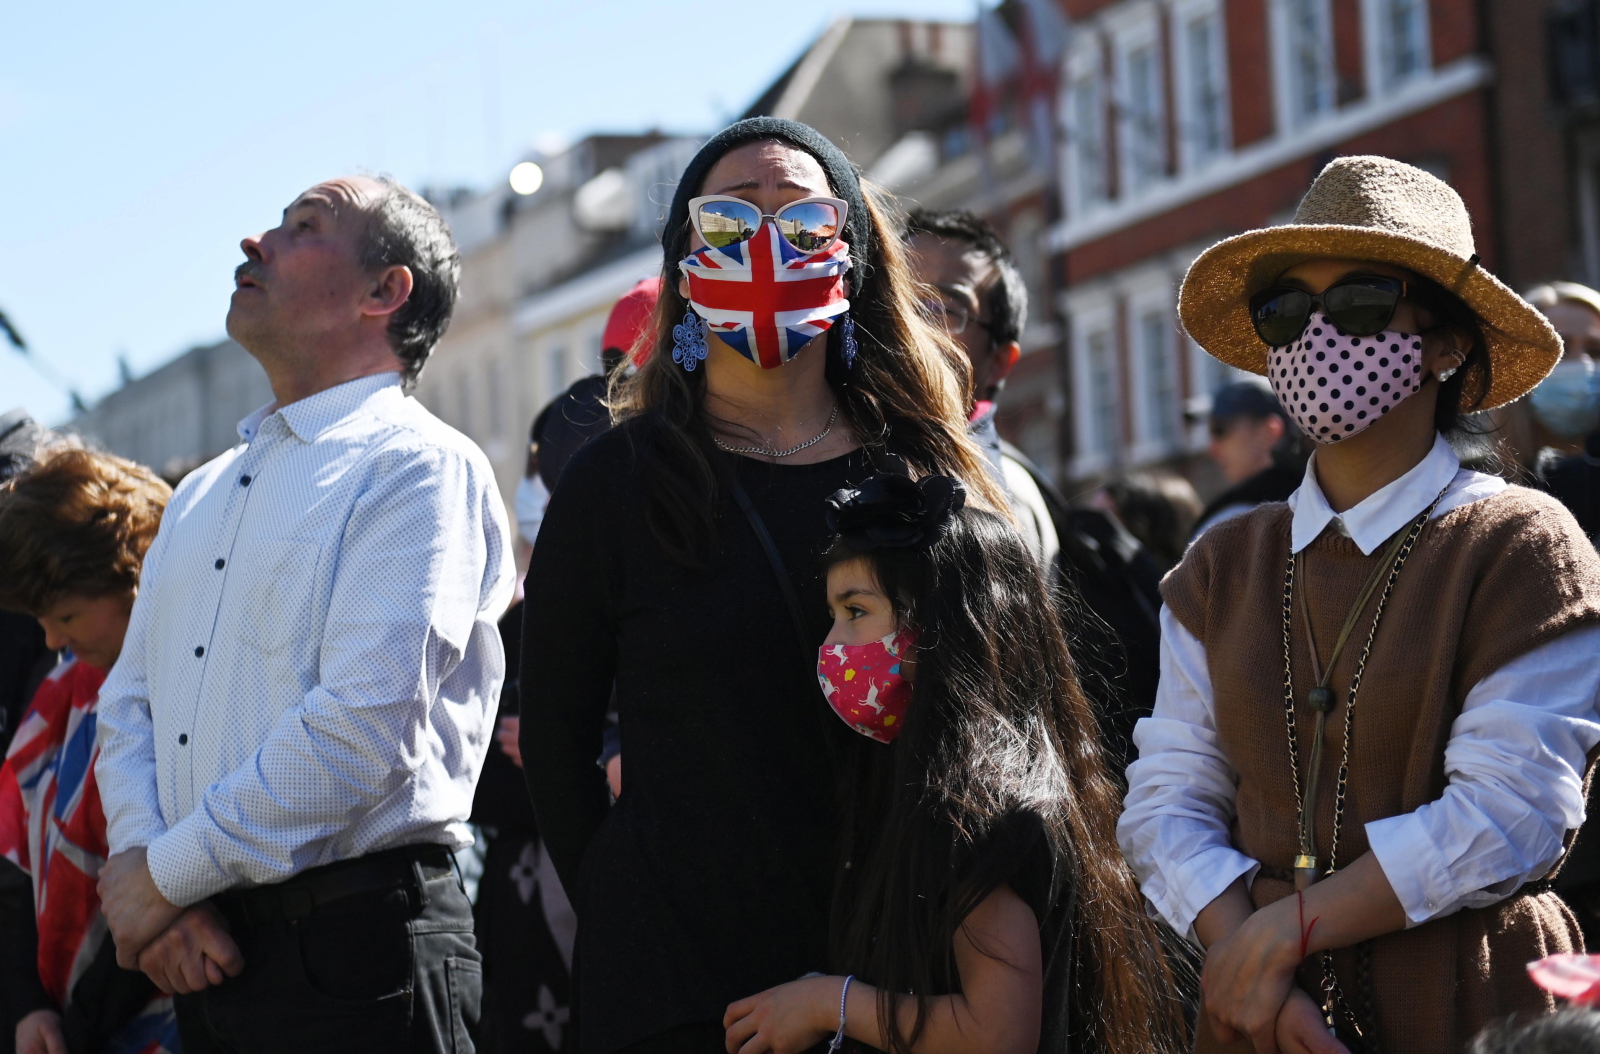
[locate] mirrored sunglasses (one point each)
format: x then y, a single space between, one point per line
811 225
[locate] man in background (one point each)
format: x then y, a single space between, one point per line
292 734
1259 452
1109 583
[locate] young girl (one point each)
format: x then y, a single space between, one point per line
981 905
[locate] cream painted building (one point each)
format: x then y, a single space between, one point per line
539 274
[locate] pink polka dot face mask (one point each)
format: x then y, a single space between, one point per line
1334 385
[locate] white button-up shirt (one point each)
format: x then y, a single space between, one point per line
1515 758
312 666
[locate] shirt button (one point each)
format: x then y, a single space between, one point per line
199 652
220 562
183 739
244 481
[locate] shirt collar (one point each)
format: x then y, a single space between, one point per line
308 418
983 431
1376 518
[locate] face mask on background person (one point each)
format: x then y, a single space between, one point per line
530 500
1333 385
1567 402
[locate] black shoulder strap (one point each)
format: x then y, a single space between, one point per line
785 584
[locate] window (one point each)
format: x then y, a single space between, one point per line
1158 379
1202 73
1304 52
1086 139
557 365
1102 393
1397 51
464 419
1143 141
594 353
497 396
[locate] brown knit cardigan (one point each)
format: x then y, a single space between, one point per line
1485 583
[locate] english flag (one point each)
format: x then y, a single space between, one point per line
765 298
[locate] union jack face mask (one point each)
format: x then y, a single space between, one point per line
761 293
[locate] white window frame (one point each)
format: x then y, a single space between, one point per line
1138 27
1091 316
1152 291
1377 45
555 363
1206 375
1191 156
1290 117
1084 64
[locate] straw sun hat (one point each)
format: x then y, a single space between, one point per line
1379 209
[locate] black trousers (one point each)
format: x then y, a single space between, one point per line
386 970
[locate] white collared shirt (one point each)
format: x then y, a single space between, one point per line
312 666
1515 759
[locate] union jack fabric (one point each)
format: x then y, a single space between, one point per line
53 828
766 299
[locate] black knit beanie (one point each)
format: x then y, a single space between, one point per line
842 177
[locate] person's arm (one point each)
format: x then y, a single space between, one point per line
422 577
569 661
125 768
999 1009
21 991
1174 830
1515 761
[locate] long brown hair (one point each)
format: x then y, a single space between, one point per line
907 393
999 746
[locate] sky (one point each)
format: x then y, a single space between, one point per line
140 142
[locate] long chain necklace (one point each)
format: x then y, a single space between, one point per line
765 452
1306 869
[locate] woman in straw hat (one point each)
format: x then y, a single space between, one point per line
1377 699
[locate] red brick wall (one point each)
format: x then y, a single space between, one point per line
1076 9
1249 70
1454 132
1456 26
1537 217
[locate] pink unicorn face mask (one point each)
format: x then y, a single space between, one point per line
863 684
1333 385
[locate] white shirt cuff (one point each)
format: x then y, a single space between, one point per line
183 869
1415 868
1205 877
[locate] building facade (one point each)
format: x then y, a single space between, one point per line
1184 121
1110 141
539 273
182 414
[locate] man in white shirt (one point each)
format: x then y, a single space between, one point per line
290 740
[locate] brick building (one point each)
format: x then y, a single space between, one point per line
1184 121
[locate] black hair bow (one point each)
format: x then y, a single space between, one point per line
890 511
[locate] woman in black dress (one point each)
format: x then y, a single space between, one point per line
711 876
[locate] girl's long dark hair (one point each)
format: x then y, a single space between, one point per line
998 741
909 381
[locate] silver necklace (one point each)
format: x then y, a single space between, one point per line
765 452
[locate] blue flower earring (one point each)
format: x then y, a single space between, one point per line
847 341
689 342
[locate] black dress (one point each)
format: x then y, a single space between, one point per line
710 878
523 921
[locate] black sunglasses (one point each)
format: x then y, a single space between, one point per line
1362 306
